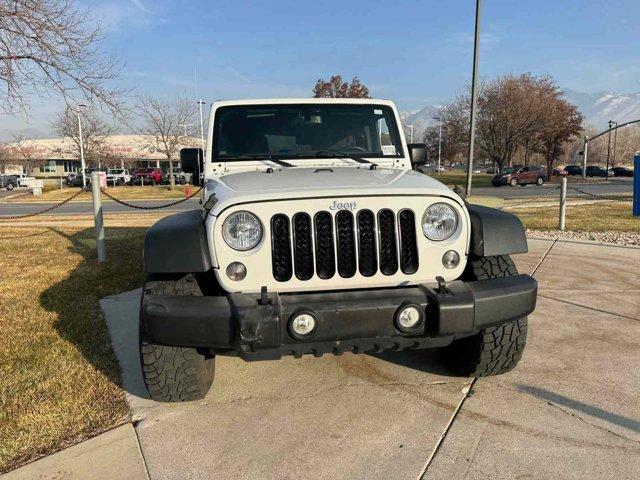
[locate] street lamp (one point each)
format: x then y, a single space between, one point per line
611 123
82 165
474 95
200 103
410 133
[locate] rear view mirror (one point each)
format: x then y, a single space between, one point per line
417 154
192 161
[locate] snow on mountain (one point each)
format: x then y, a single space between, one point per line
598 108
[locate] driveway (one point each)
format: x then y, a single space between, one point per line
571 409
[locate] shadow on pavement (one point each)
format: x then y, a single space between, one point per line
429 360
560 400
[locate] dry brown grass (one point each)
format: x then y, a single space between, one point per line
124 193
59 379
605 216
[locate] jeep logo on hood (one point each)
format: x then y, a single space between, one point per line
343 206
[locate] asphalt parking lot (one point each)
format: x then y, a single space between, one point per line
571 409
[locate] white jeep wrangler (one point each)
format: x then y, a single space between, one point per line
316 235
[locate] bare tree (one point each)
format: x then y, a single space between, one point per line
23 152
51 46
163 121
94 133
336 88
563 122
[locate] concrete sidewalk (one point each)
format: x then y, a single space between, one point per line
571 409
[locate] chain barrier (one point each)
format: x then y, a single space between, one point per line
153 207
529 200
595 195
44 210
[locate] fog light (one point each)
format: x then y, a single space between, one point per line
302 325
450 259
236 271
409 318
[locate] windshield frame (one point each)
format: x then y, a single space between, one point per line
394 131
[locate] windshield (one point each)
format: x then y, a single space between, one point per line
509 170
305 131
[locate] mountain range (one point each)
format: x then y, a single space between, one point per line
598 108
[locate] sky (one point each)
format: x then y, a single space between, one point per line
416 53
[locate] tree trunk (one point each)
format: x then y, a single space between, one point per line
172 180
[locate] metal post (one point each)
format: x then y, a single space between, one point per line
84 179
474 94
585 150
636 185
97 216
563 203
606 175
200 102
615 141
439 146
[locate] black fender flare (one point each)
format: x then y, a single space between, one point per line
494 232
177 244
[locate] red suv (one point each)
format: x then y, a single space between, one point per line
520 175
148 175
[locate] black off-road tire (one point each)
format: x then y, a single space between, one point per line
175 374
494 350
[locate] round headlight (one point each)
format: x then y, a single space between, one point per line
242 230
439 221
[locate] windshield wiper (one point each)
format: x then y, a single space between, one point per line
355 158
257 156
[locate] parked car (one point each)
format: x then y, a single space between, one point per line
146 176
595 171
8 181
622 172
520 175
573 170
118 176
180 177
559 172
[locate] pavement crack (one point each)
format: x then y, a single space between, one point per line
595 425
593 309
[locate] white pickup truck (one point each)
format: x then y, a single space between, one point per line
118 176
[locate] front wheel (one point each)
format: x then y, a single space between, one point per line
513 182
493 350
540 181
174 374
9 186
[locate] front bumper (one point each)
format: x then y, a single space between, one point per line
256 327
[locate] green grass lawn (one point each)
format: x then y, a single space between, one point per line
587 217
59 379
458 177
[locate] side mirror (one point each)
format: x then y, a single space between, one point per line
192 161
417 154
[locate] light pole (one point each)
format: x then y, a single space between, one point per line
84 179
200 103
474 94
410 127
185 126
615 142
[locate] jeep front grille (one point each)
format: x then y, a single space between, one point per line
366 243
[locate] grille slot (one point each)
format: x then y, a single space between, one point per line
388 242
280 248
408 246
367 258
325 257
302 246
346 244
